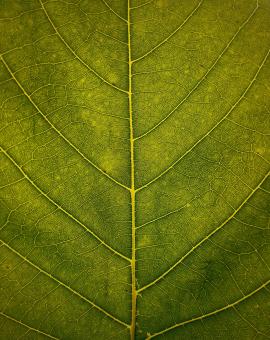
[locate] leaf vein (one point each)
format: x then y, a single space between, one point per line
61 208
212 129
55 128
231 305
114 12
75 54
205 238
171 35
27 326
203 77
65 285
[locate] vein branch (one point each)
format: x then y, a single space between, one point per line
58 206
217 311
100 309
207 237
171 35
56 129
27 326
74 53
114 12
213 128
202 79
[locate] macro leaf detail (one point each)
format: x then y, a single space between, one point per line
134 162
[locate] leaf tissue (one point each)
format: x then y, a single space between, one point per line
134 166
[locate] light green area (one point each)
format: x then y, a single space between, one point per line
200 121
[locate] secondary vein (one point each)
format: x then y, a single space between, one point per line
217 311
58 206
74 147
75 292
27 326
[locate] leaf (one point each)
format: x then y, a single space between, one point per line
134 169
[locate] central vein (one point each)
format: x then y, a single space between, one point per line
132 187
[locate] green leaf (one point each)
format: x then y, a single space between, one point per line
134 169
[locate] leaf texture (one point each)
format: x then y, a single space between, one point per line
134 169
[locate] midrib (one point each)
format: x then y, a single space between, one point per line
132 186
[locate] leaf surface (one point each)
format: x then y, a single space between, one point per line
134 169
